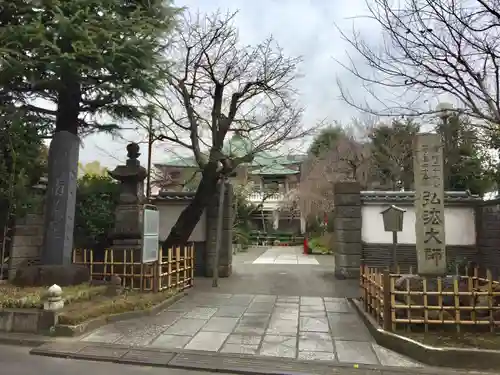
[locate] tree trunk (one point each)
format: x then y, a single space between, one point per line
189 218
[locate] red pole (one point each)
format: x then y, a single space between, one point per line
306 245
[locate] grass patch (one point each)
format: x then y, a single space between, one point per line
33 297
102 306
478 340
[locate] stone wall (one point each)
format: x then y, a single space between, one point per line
26 243
380 255
488 235
351 250
226 251
347 227
27 234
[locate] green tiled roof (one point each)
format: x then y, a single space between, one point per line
239 146
188 161
273 169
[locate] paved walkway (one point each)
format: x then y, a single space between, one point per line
295 311
304 328
285 255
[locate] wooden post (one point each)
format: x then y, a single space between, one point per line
169 278
191 256
387 301
157 272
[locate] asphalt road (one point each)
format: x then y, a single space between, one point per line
16 360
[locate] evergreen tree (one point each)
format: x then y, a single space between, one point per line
392 153
71 61
326 140
466 162
78 66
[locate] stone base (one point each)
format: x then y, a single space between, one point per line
47 275
26 320
224 271
343 273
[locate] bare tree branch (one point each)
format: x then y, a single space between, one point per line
225 87
431 48
348 160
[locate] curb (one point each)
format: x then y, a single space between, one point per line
470 359
20 339
66 332
221 363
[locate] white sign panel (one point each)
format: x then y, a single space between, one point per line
150 234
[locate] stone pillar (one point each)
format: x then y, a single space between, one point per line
347 226
226 251
61 199
303 224
276 219
127 231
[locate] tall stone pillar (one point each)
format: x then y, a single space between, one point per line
347 226
226 250
61 199
127 231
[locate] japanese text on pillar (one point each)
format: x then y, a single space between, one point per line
432 203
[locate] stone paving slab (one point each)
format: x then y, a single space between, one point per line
285 255
294 327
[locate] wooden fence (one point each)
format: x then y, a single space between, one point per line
174 268
406 301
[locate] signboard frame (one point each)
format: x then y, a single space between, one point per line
150 233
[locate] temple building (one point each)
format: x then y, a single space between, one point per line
272 179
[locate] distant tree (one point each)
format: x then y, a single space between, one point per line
392 153
93 168
326 140
466 161
22 163
96 200
349 159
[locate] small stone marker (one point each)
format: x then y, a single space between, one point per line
54 299
114 288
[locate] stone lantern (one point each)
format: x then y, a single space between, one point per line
127 231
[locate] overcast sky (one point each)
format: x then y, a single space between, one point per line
302 28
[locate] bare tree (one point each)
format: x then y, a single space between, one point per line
348 160
431 48
221 87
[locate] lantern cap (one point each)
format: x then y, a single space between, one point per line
393 207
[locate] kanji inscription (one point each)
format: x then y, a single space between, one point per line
429 205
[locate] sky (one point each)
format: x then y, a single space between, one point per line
306 28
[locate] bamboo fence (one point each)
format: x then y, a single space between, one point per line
174 268
409 301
